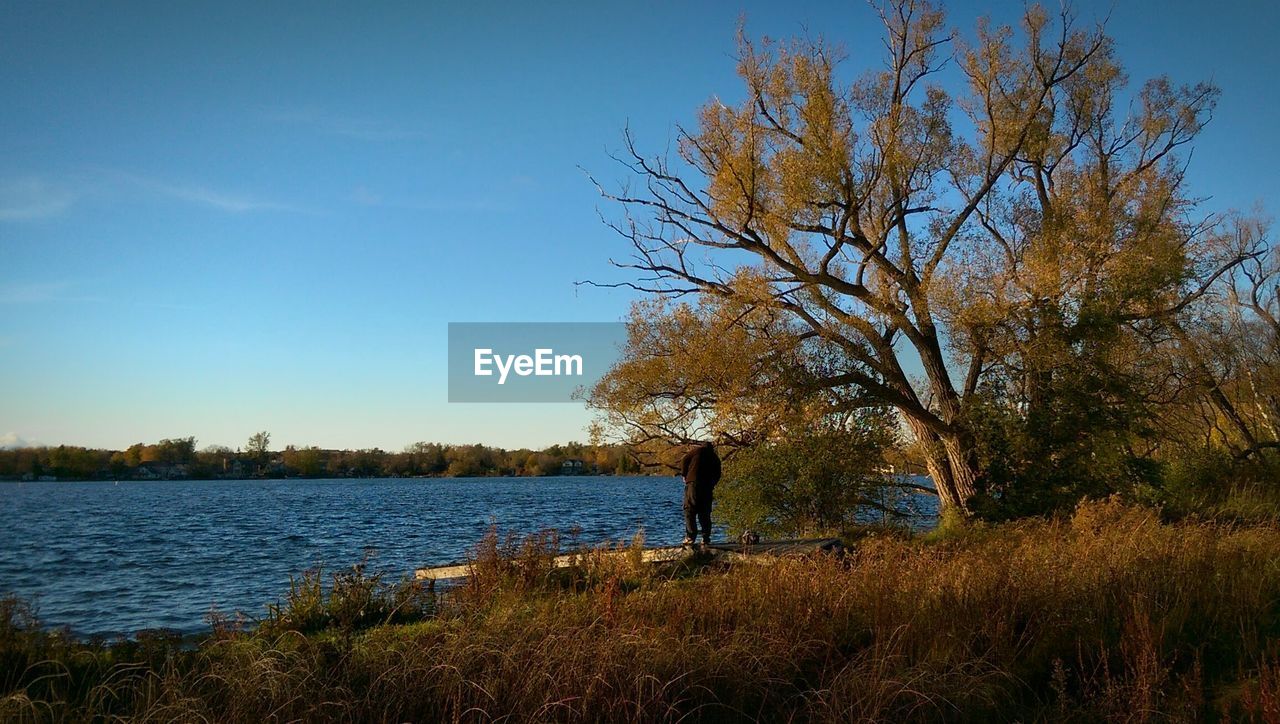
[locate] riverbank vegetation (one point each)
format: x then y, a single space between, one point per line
1108 613
178 458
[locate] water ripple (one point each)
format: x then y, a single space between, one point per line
104 558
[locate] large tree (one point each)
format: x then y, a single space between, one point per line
1013 231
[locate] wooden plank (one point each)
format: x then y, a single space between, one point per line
729 551
647 555
734 551
442 573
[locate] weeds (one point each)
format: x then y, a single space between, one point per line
354 600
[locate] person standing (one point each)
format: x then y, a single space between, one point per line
700 470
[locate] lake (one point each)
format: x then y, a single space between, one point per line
114 558
108 558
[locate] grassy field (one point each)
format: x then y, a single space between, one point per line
1109 614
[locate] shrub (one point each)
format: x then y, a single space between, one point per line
354 600
819 481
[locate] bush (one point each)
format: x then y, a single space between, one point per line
1078 445
821 481
354 600
1209 481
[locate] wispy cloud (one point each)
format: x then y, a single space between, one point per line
33 293
359 128
234 203
12 441
37 292
363 196
33 198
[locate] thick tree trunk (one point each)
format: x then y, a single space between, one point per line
949 461
964 469
948 498
950 455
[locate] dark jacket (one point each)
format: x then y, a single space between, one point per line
701 471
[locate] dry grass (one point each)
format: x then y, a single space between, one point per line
1107 615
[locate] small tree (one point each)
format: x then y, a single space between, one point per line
259 446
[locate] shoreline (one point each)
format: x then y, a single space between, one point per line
982 621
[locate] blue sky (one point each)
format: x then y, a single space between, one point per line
225 217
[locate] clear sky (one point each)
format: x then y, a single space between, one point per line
218 218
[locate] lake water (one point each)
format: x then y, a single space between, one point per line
114 558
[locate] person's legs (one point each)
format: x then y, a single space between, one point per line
704 519
690 513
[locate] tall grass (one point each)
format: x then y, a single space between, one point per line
1109 614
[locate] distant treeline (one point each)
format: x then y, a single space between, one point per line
178 458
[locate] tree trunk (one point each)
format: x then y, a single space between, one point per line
964 469
950 453
949 462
